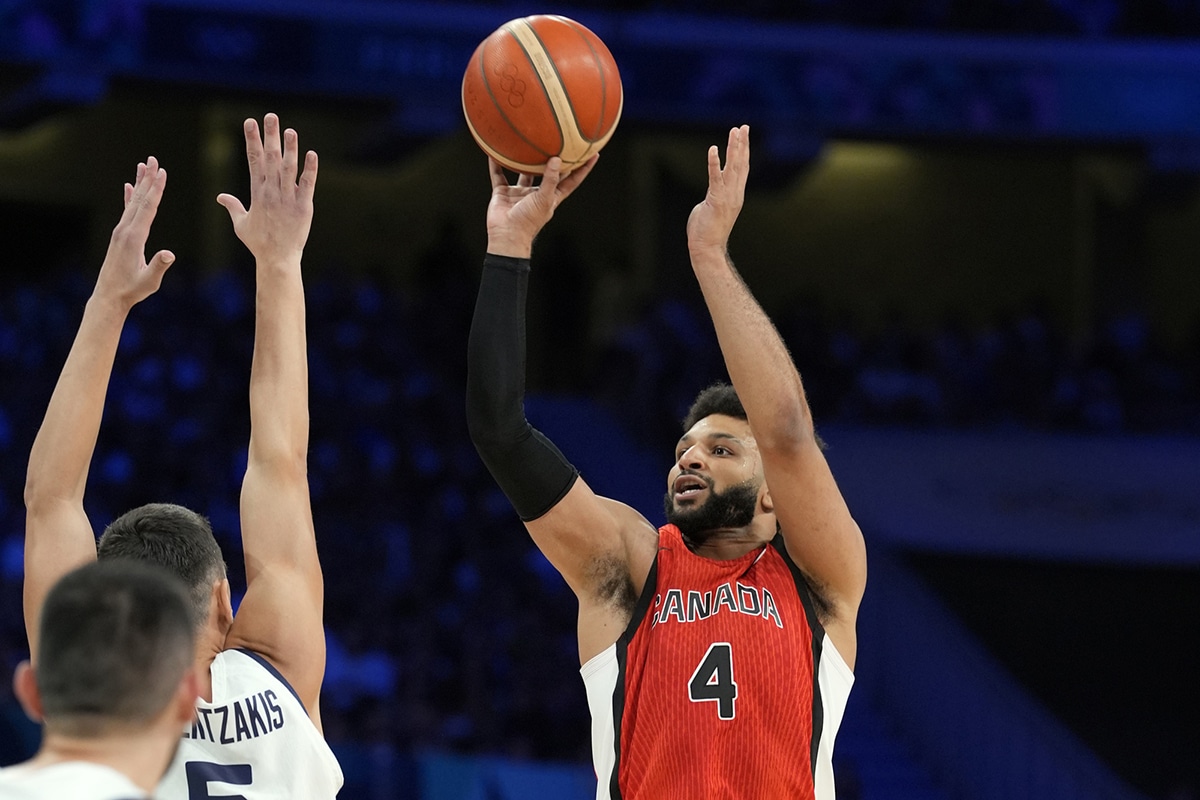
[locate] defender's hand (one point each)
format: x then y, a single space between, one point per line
125 276
276 226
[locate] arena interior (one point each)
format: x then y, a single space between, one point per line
975 223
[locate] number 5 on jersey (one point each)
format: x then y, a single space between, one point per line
713 680
200 773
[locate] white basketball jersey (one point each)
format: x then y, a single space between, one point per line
77 780
254 741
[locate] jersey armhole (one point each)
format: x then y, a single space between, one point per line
269 667
645 599
814 604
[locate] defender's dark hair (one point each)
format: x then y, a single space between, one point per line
173 537
115 638
720 398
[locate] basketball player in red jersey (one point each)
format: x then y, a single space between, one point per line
717 650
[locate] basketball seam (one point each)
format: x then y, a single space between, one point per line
487 84
594 145
507 161
596 60
569 139
562 83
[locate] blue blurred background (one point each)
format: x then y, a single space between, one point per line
976 224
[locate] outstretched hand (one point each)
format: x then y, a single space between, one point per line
276 226
518 212
126 277
711 221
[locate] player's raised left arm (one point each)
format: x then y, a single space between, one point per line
58 536
280 616
821 536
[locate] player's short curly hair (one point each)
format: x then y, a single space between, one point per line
719 398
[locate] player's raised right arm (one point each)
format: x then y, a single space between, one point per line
280 616
584 536
58 536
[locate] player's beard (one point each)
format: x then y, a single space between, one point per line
732 508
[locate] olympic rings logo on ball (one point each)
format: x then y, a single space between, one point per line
510 83
539 86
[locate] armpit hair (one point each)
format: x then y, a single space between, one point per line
613 585
820 597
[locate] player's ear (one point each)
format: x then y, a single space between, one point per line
184 703
222 603
26 689
765 502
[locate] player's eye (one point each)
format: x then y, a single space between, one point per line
721 451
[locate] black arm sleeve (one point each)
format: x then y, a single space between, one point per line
530 470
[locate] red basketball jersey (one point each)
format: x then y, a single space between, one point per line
724 685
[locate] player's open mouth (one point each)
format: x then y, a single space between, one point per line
688 486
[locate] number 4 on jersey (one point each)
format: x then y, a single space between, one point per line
713 680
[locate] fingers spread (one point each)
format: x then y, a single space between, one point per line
161 261
552 175
569 183
254 153
150 172
714 166
739 159
272 151
291 150
134 191
143 203
232 205
496 172
743 147
308 178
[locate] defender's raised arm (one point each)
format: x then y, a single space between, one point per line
280 617
58 536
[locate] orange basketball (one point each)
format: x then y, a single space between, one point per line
539 87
